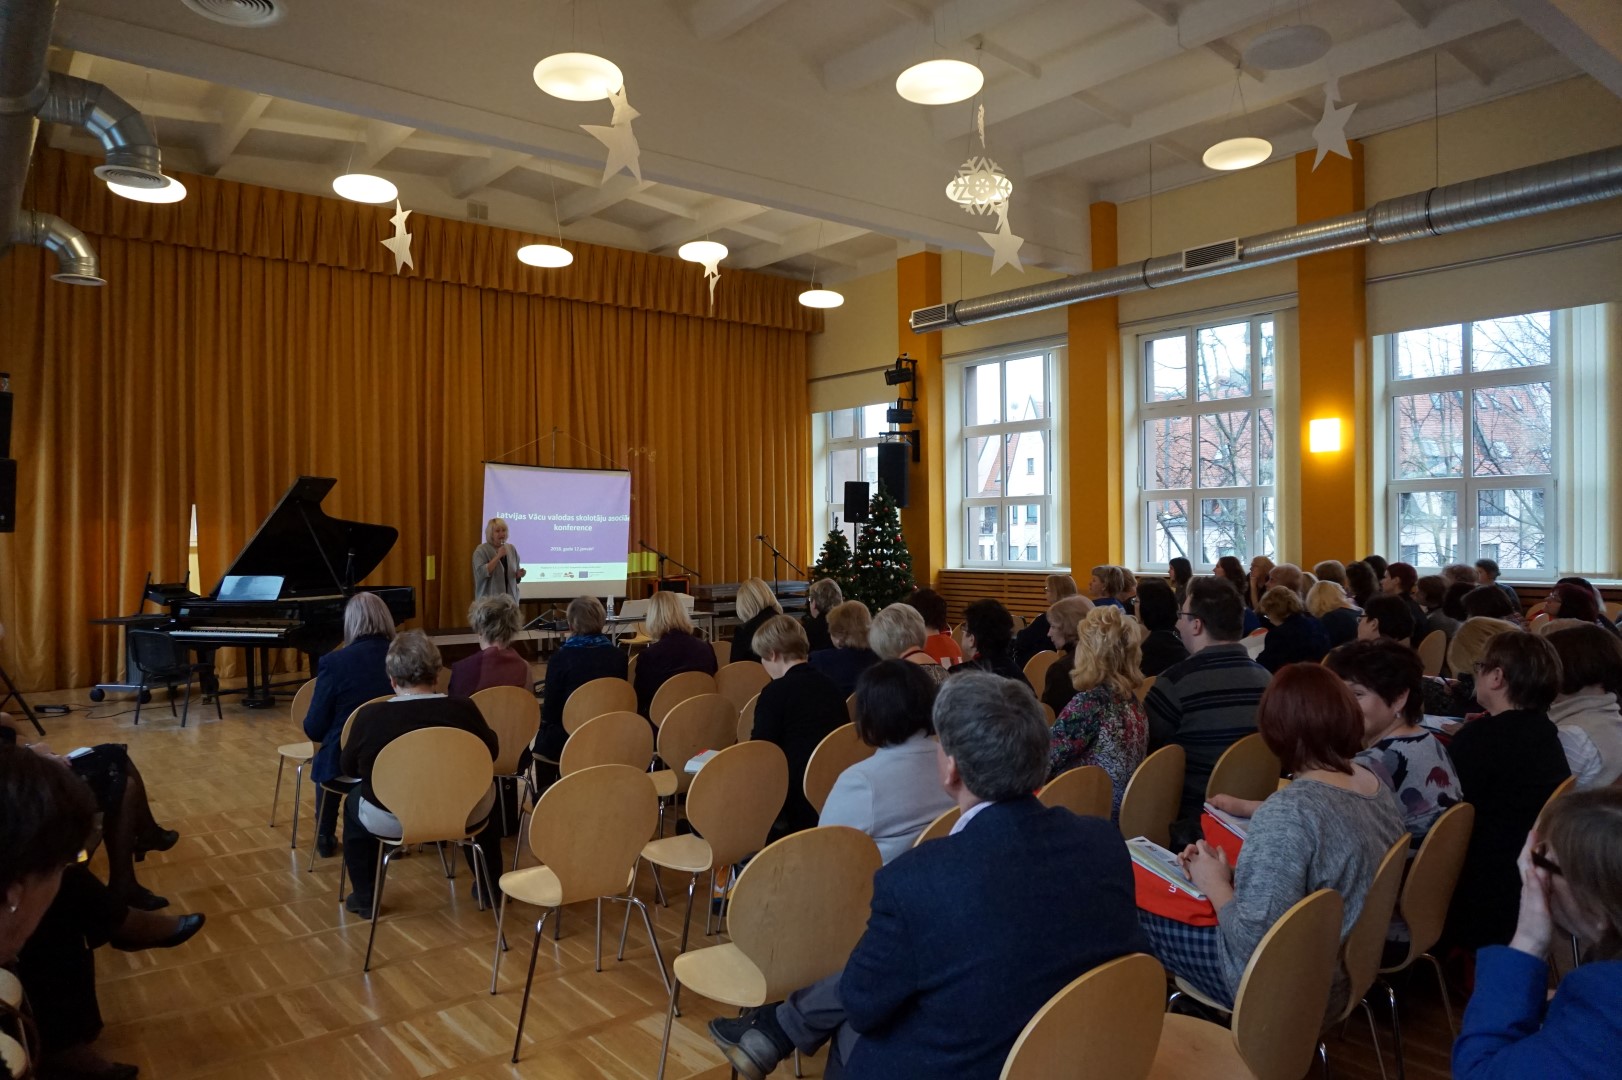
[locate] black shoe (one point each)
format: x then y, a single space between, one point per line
326 845
185 930
357 904
753 1043
144 899
156 840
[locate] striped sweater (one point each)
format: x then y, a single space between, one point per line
1205 704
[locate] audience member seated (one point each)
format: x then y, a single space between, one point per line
1104 723
1571 884
412 664
1332 570
1460 574
848 627
1157 611
1034 638
1229 569
756 605
1295 636
1509 762
1208 702
1453 601
1491 602
988 635
822 597
1308 580
1328 829
1128 596
1572 601
795 710
899 633
1386 616
348 678
1585 711
1386 679
1361 584
586 654
1284 575
496 620
1063 619
1487 574
1431 592
976 968
1179 573
1328 603
1400 580
1378 564
939 644
675 649
1456 696
1600 616
1105 585
1256 582
895 794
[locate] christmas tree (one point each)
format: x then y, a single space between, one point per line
834 561
883 566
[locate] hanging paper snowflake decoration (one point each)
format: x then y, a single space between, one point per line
979 186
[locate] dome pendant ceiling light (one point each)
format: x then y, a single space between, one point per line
821 298
365 188
578 76
1286 47
1240 152
549 256
939 82
171 192
703 252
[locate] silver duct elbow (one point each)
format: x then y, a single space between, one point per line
76 261
131 153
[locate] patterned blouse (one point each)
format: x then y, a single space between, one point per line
1100 727
1418 769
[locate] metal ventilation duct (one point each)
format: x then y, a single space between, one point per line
132 155
1553 185
76 262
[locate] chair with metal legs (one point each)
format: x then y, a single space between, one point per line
515 716
1085 791
798 909
586 832
1110 1018
739 683
432 780
337 788
698 723
1149 804
1246 770
839 750
301 752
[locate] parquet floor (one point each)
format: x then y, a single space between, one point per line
272 988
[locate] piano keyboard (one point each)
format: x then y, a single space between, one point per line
268 634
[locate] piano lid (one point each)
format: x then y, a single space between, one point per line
315 554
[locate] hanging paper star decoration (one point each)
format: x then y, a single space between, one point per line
712 274
623 151
1004 244
1330 133
400 243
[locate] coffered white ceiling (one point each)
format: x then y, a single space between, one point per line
773 125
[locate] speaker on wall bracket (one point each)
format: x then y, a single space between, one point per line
893 470
856 500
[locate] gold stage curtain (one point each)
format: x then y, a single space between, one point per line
257 335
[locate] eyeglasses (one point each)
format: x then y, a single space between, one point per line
1544 863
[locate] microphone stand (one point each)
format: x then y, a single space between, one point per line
776 555
659 573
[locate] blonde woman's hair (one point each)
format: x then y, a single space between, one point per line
489 527
781 638
849 624
1331 570
1129 584
896 630
1325 597
364 614
586 616
495 619
1061 586
666 613
1111 578
1308 580
826 594
755 596
1279 603
1067 614
1108 652
1469 642
1585 830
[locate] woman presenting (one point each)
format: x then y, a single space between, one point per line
495 564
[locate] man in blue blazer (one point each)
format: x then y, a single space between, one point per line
969 935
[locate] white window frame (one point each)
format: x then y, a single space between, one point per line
962 474
1144 412
1467 488
834 505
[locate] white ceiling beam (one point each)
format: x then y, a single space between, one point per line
885 56
81 64
1478 71
1176 150
379 140
1025 66
909 10
1163 10
1585 31
1372 50
711 217
756 232
239 112
1103 108
1134 47
1301 108
1415 12
476 174
1234 59
615 190
713 20
806 238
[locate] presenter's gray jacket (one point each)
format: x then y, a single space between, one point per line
504 579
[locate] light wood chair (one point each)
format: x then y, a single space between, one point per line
300 752
337 788
746 719
515 716
1433 652
595 698
1278 1011
1036 668
14 1057
839 750
1360 955
1564 786
1246 770
850 708
732 804
1423 903
1613 610
723 653
630 668
432 780
941 826
741 682
704 722
1145 686
797 911
1149 805
615 738
1085 791
586 832
1048 714
677 689
1110 1018
442 680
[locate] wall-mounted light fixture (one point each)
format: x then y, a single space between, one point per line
1323 436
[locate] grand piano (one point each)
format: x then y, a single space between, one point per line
287 588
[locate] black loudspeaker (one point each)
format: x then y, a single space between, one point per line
5 423
8 495
856 496
893 470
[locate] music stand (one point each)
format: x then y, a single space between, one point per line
13 692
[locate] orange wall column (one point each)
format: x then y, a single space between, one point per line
1333 511
1092 408
923 522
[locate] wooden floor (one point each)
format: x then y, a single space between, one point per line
272 988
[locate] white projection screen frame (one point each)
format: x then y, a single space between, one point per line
571 527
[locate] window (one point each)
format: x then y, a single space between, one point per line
1206 430
1470 472
1007 465
853 454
